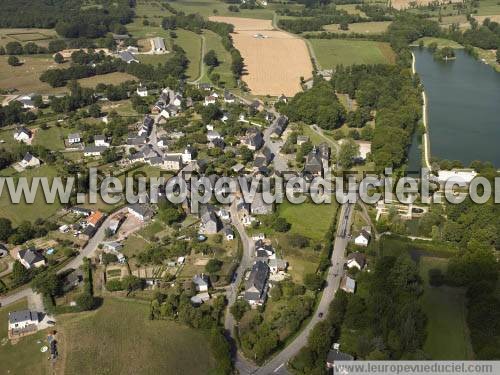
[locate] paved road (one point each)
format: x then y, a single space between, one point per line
277 364
87 251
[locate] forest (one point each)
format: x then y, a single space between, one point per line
67 16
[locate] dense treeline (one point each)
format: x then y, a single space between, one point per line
319 105
195 23
68 17
392 92
14 113
485 36
476 228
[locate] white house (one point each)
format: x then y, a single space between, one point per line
172 162
100 141
142 90
213 134
228 232
27 101
74 138
93 151
29 161
457 176
277 265
23 320
228 97
23 134
356 260
209 100
363 239
348 285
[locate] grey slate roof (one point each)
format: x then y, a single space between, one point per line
22 316
31 256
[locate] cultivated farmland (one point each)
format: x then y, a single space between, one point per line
274 60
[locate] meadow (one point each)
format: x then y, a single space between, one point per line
18 213
447 332
332 52
213 42
360 28
23 357
119 338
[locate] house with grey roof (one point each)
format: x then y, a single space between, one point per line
256 286
141 211
314 164
31 258
253 139
158 45
259 207
210 223
23 134
201 282
348 284
172 162
29 161
74 138
127 57
94 150
279 126
23 321
335 358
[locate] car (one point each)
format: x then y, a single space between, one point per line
320 315
51 322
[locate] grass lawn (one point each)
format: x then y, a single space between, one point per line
332 52
24 211
151 229
213 42
206 8
191 43
440 42
109 79
25 78
41 37
119 338
24 357
488 7
308 219
361 28
134 245
447 333
52 138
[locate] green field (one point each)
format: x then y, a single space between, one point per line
447 334
52 138
24 211
360 28
24 357
109 79
213 42
488 7
206 8
41 37
351 9
440 42
332 52
24 78
119 338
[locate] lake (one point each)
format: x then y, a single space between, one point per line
463 98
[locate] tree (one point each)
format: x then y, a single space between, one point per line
5 229
85 302
347 153
313 281
213 266
13 61
108 258
239 308
20 275
46 283
281 225
95 110
210 59
14 48
344 26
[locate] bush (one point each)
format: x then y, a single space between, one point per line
85 302
13 61
213 266
114 285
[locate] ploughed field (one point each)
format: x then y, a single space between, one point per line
274 60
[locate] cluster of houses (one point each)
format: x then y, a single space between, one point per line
266 266
214 220
86 227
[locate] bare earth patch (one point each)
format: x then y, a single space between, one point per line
274 60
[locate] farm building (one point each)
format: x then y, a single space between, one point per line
158 45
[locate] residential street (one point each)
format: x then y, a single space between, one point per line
87 251
277 364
